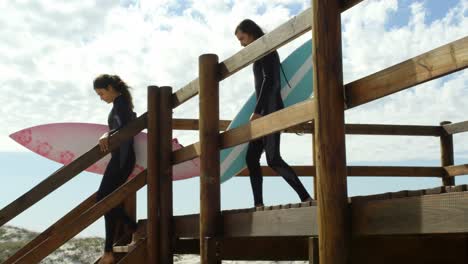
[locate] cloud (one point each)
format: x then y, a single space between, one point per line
52 52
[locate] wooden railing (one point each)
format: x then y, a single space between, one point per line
56 239
59 226
433 64
68 172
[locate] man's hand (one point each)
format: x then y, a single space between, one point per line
255 116
104 142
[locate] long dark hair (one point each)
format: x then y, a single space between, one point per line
250 27
104 80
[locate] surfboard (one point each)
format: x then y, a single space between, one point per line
64 142
296 86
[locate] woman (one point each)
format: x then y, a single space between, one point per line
111 89
267 88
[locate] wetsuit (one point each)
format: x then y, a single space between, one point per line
119 168
268 92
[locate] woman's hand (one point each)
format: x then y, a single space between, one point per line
104 142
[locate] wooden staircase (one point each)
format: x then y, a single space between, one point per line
133 252
427 226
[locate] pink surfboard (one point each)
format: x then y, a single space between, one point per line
63 142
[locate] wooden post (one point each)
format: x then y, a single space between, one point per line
152 230
211 250
165 170
313 250
210 203
315 164
333 216
446 154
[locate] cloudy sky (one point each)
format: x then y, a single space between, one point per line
50 52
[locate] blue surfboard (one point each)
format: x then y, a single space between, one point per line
297 68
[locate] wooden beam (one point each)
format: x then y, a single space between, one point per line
313 250
186 153
153 232
280 223
187 246
330 147
165 176
290 222
53 229
347 4
446 155
282 35
409 250
210 196
314 161
68 172
361 171
350 129
192 124
429 214
277 121
456 170
456 128
428 66
365 250
187 226
395 171
264 248
277 38
84 220
392 130
274 122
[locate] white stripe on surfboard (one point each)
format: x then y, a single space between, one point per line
298 76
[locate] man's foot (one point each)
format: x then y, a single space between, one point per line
310 199
107 258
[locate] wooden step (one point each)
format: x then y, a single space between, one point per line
117 256
137 236
137 254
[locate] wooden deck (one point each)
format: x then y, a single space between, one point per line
425 222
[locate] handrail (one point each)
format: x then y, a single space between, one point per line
347 4
361 171
68 172
456 170
277 38
350 129
84 220
291 116
456 128
53 229
192 124
359 92
282 35
434 64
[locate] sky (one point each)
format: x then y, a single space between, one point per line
51 51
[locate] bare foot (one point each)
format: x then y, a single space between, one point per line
107 258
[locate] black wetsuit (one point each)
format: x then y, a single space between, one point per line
119 168
268 91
